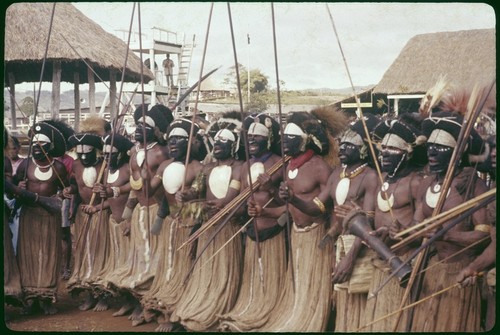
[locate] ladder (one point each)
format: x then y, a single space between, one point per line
183 74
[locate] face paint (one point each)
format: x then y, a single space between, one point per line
257 145
292 145
349 153
439 157
40 150
88 158
113 159
177 146
222 148
391 159
139 133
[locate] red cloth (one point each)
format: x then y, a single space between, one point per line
298 161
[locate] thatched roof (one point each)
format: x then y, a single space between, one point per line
26 31
465 57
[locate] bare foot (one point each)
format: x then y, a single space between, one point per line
136 316
164 327
125 309
47 307
148 315
88 303
102 305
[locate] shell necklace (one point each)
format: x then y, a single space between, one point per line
43 175
345 182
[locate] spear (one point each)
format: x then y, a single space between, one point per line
438 220
245 141
280 117
435 237
40 87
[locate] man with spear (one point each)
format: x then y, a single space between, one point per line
304 303
39 240
134 278
174 175
114 188
443 130
91 220
402 157
261 282
213 285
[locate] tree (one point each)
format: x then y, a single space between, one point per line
258 81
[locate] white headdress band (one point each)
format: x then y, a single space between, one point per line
149 121
38 137
293 129
107 149
225 133
84 148
393 140
257 128
350 136
439 136
178 131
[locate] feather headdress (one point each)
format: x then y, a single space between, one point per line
93 124
335 121
432 97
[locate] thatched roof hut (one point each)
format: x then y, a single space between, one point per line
465 57
26 31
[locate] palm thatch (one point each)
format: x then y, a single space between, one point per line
26 30
465 57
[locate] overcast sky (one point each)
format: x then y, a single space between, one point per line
371 34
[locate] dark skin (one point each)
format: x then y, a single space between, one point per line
361 191
117 205
268 185
45 188
155 156
310 181
462 234
212 203
84 191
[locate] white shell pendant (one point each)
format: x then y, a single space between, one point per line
139 158
89 176
384 205
342 190
432 198
43 176
219 180
255 171
113 176
292 174
173 175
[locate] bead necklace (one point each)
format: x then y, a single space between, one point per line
353 173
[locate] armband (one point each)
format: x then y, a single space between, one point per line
482 227
320 205
116 191
235 184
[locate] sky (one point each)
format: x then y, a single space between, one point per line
371 35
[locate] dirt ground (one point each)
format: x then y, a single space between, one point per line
70 319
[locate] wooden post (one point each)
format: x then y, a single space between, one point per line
76 89
91 80
112 95
12 86
56 89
